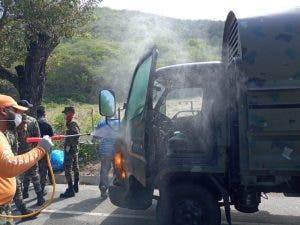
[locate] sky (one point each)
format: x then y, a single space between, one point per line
199 9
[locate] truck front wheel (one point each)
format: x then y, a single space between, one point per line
188 205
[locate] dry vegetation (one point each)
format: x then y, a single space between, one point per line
87 116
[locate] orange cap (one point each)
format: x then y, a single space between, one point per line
7 101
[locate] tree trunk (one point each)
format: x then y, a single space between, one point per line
32 76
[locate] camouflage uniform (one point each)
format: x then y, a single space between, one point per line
18 198
30 129
71 152
43 171
6 210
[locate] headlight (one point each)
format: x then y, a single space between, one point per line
123 175
118 160
119 165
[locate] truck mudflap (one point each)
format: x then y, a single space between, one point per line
131 196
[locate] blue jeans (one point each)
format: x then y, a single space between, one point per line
106 164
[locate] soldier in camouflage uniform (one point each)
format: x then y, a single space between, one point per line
18 198
71 153
29 128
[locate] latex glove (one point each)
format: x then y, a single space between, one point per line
46 143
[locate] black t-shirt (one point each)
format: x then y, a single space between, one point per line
45 127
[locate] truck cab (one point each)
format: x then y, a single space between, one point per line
213 134
168 129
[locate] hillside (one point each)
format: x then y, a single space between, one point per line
111 45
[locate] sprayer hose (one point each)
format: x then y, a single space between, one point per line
45 205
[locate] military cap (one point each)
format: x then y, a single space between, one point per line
25 103
70 109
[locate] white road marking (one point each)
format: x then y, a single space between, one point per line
98 214
251 223
112 215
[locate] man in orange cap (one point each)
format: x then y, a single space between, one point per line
10 165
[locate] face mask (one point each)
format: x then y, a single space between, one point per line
69 117
12 120
18 119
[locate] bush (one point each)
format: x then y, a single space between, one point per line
88 152
59 124
84 113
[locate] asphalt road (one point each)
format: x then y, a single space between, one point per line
87 208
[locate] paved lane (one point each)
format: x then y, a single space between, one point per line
87 208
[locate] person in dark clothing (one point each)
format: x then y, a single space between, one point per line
45 129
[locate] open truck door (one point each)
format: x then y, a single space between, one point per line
130 188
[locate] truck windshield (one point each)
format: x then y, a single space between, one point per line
183 102
177 102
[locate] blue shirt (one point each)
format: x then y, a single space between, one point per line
108 135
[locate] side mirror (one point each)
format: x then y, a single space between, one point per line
1 11
107 103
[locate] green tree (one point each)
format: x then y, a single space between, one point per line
81 63
29 32
199 50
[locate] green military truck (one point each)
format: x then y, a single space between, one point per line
214 134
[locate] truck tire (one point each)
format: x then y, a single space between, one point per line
187 205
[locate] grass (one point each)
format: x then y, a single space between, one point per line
87 116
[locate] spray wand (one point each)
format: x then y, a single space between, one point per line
54 138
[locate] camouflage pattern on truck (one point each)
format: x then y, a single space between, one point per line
265 51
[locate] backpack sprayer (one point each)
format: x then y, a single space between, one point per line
36 140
